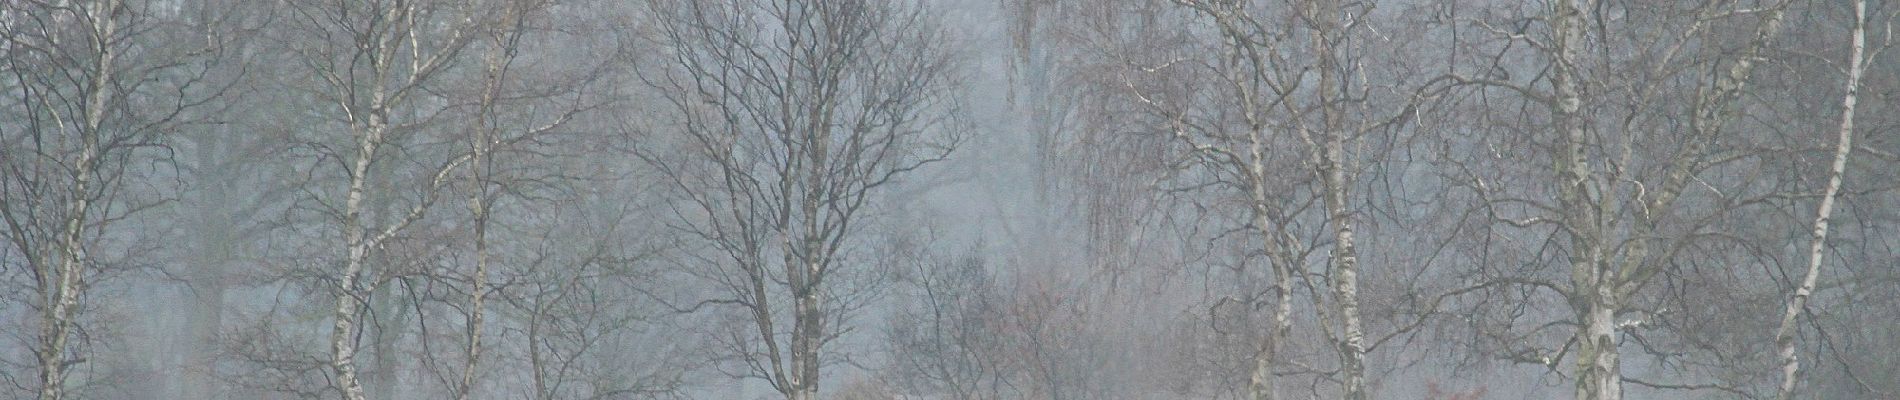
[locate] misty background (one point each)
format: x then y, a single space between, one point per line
948 199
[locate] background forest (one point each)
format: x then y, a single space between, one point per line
949 199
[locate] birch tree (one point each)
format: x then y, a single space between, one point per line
519 113
504 40
791 118
93 88
1612 196
373 64
1844 146
1235 141
1288 97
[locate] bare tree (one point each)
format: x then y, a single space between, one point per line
1784 334
575 311
1610 206
503 41
1281 97
947 340
375 63
93 89
1236 199
791 117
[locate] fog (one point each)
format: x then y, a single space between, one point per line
948 199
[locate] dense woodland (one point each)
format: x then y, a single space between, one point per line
949 199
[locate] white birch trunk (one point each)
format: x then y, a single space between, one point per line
1594 289
1345 273
1599 375
348 300
57 318
1260 384
479 166
1784 335
1332 165
1260 381
478 294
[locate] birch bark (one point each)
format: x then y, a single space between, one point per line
1331 165
504 37
58 313
1784 334
1594 297
367 95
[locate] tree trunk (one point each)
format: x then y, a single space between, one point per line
806 339
1598 371
348 296
1345 274
1332 165
478 294
1784 335
1260 382
57 319
1594 285
480 162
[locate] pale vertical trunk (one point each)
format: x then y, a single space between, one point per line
1598 369
1345 274
1336 186
809 313
479 147
479 293
803 375
356 239
1784 335
57 317
1594 294
806 344
1260 383
342 348
802 381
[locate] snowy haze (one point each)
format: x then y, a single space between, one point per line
948 199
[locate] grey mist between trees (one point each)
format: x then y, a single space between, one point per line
949 199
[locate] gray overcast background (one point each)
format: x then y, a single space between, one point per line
948 199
